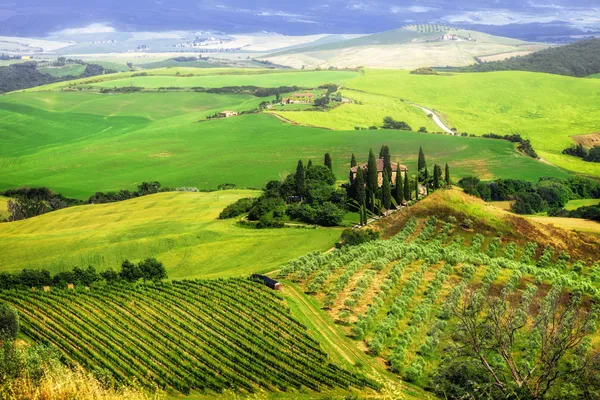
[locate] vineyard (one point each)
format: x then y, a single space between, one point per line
396 298
182 336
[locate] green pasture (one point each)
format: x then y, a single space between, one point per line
575 204
116 144
303 79
74 70
545 108
180 229
594 76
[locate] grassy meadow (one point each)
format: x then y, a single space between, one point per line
180 229
73 69
575 204
81 143
545 108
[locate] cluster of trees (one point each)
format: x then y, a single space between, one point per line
253 90
578 59
144 189
355 237
391 123
591 155
370 196
309 195
548 194
123 89
26 75
149 269
424 71
585 212
524 144
30 202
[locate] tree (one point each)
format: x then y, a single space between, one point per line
406 188
555 194
372 180
319 174
593 155
353 161
130 272
309 165
152 269
437 176
527 354
398 189
447 175
327 162
300 179
422 166
387 160
361 195
149 188
9 322
386 192
416 188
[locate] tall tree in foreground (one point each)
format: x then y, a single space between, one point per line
406 188
447 175
423 174
384 153
398 188
361 195
372 180
529 349
300 179
416 188
437 177
327 162
386 192
353 161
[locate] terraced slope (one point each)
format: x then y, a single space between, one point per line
183 336
396 298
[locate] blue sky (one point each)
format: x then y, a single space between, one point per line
27 17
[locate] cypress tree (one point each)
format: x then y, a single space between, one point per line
372 203
309 164
300 179
398 189
387 160
363 214
353 161
328 162
437 177
361 195
416 188
422 166
372 176
447 175
406 188
386 191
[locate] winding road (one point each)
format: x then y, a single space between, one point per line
436 119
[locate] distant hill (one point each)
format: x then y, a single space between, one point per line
409 47
578 59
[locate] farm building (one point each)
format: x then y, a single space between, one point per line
299 98
403 171
227 114
272 283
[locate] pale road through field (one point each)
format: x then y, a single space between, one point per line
436 119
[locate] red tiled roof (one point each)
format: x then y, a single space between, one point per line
380 166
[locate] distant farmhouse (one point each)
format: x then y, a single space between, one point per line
227 114
403 170
300 98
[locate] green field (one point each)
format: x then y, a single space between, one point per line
548 109
302 79
594 76
81 143
575 204
74 70
3 207
185 336
180 229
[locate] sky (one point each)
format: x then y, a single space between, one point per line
298 17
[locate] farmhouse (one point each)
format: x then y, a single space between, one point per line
272 283
227 114
299 98
403 171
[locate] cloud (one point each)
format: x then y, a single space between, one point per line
87 30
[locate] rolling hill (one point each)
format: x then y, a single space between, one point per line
406 48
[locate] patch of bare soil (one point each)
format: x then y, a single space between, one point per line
589 140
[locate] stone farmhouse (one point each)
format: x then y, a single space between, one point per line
403 171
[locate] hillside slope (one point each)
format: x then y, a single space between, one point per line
577 59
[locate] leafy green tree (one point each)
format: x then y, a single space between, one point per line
422 166
386 196
398 188
300 179
309 165
447 175
361 195
130 272
406 188
9 323
327 162
437 176
320 174
555 194
353 161
372 180
152 269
